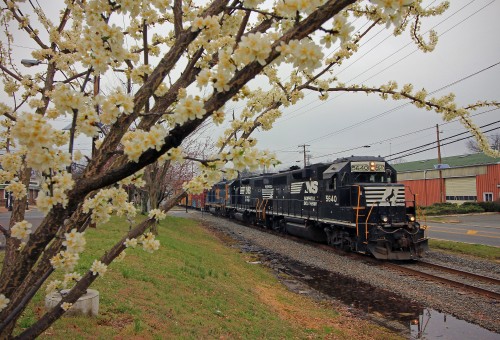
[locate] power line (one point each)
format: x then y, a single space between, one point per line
456 135
399 106
408 44
335 153
431 127
412 133
434 147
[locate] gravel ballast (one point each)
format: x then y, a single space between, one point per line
471 308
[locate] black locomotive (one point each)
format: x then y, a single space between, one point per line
353 203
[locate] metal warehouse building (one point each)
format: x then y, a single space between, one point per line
458 179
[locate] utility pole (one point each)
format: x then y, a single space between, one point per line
439 165
303 146
7 145
97 88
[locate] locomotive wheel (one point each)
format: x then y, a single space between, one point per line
268 224
339 239
282 226
251 219
279 225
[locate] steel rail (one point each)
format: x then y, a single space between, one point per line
482 278
459 285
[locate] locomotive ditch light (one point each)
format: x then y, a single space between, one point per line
411 218
373 167
385 219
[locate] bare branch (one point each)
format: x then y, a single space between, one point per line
10 73
177 17
21 19
4 231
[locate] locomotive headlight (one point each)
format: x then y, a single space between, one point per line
384 219
373 166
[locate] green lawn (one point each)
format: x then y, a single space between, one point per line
195 287
478 250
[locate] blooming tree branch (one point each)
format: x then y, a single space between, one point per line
181 63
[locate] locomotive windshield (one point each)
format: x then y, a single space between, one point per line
369 178
371 172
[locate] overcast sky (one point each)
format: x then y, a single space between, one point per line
469 43
469 47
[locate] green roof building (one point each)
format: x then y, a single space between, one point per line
458 179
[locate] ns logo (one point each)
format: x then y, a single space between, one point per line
311 187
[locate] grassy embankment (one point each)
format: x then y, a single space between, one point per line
478 250
194 287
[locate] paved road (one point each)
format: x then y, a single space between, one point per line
480 229
33 216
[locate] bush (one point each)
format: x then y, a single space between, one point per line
471 207
490 206
453 208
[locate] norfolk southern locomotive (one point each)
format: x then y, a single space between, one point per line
353 203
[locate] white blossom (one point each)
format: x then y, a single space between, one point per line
54 286
303 54
75 241
21 230
157 214
188 108
66 305
98 268
149 243
254 46
3 302
130 243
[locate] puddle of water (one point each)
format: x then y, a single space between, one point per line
423 323
435 325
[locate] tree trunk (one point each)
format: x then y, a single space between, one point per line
18 213
144 202
153 201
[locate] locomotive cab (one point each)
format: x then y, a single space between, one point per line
365 193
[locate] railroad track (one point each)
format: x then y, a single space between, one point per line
401 268
435 278
454 283
485 279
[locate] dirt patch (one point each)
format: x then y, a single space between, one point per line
296 313
115 321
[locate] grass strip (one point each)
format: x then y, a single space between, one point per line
478 250
194 287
